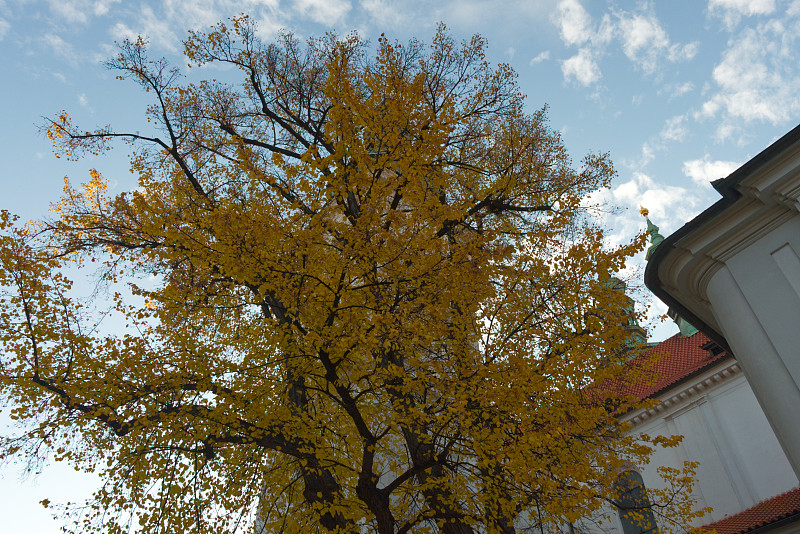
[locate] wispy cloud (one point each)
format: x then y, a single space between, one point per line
83 101
704 171
475 14
157 29
165 23
323 11
745 7
79 11
670 206
732 11
677 89
646 155
201 14
4 27
541 56
757 78
60 48
102 7
384 13
646 43
196 14
674 129
643 39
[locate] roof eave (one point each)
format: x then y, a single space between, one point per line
729 189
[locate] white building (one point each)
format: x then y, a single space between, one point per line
734 272
705 397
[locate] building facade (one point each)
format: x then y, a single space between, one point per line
703 395
734 273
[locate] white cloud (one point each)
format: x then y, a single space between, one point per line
70 11
680 89
704 171
466 15
4 27
606 32
757 78
647 155
574 22
745 7
200 14
83 100
642 37
639 33
582 68
541 56
269 26
80 10
61 48
732 11
669 206
157 29
120 32
686 52
323 11
645 42
383 14
195 14
164 23
709 108
674 129
102 7
577 28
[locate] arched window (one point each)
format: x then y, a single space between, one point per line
633 506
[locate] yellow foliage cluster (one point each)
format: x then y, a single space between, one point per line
378 303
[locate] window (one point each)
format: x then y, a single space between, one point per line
633 506
713 349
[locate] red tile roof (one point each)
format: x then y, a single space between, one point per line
666 365
764 513
671 361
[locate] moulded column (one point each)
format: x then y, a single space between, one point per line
761 363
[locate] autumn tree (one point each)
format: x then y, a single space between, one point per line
359 292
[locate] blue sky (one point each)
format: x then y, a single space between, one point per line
679 92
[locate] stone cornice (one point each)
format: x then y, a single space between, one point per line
676 399
757 197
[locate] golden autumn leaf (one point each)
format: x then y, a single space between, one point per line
375 303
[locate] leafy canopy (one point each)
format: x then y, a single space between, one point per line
362 296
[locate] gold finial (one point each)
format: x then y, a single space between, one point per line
652 229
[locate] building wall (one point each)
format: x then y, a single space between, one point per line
756 301
724 428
